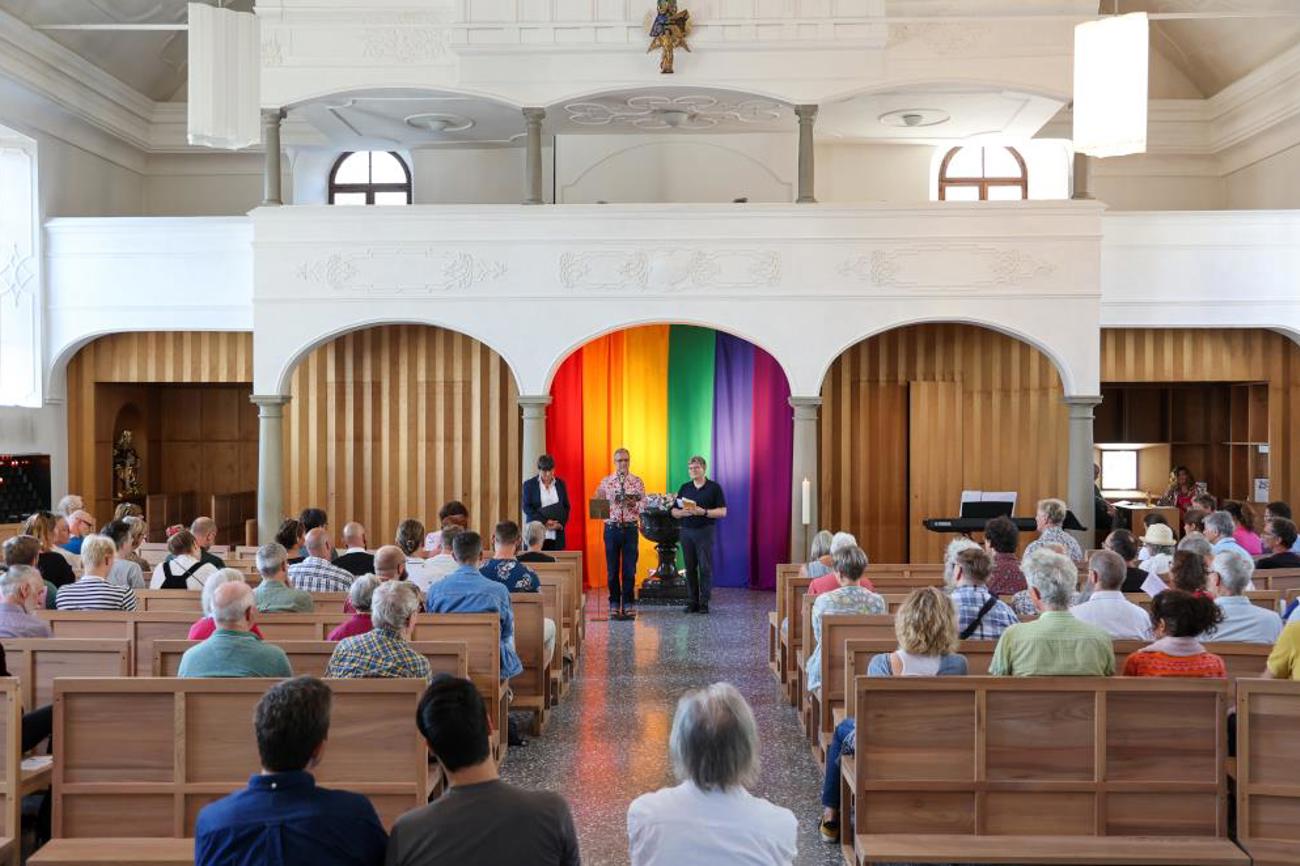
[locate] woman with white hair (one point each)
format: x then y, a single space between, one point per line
819 555
1050 517
205 626
360 595
829 581
1057 644
710 817
93 591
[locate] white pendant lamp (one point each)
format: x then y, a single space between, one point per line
1110 85
225 66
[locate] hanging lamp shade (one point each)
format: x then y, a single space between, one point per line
225 66
1110 85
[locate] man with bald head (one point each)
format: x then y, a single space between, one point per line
390 563
233 650
317 573
354 559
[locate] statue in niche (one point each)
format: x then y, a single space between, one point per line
126 466
668 32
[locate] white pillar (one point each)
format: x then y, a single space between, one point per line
803 465
806 114
534 445
1080 495
1082 177
270 464
533 118
271 118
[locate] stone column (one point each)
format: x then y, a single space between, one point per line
1082 177
1080 495
803 465
270 464
533 118
806 114
271 118
534 407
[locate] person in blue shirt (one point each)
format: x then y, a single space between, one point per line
465 590
503 567
282 818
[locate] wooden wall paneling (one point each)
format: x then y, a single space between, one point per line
934 463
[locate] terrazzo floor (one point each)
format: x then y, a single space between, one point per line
607 742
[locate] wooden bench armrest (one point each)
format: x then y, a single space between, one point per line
848 769
37 774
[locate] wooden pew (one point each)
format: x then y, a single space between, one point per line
555 602
481 634
1038 770
309 657
532 687
191 600
1281 579
1268 755
837 631
1269 599
37 661
18 778
775 654
569 569
578 589
140 757
792 596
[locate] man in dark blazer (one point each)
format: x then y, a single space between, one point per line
354 558
546 500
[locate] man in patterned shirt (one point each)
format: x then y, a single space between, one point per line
626 494
317 573
384 651
1051 514
504 568
981 615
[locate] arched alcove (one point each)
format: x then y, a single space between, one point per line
912 416
390 422
666 393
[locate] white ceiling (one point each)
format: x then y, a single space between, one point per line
969 112
377 120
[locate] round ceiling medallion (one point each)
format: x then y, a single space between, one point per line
433 122
914 118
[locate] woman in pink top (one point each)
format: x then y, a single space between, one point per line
1243 526
360 595
203 629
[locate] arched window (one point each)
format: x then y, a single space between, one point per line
983 173
370 177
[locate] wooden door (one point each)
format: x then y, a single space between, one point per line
934 464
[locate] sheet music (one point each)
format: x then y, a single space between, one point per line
988 496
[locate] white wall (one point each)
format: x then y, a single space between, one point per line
39 431
475 175
1269 183
206 184
1158 182
849 171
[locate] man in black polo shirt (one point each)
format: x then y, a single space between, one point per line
699 505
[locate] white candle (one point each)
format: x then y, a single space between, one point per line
807 502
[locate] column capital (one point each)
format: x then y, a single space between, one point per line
805 408
806 113
1080 402
534 115
534 405
273 116
269 405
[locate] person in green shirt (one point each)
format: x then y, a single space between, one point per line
1056 644
233 650
274 594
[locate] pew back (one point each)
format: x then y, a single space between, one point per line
191 600
310 657
1268 767
1280 579
37 661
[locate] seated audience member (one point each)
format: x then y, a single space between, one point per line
1279 508
385 651
850 598
355 560
127 509
1056 644
710 817
534 538
1188 572
21 591
233 650
1243 526
26 550
1194 521
47 529
1050 516
1154 518
830 581
1001 537
1122 542
139 534
410 540
360 598
313 518
1219 528
981 615
442 563
1177 617
184 569
125 571
926 626
80 525
282 817
479 819
1196 543
956 546
1205 502
505 569
465 590
1158 544
92 591
204 530
69 504
453 512
1279 541
1242 620
819 556
274 594
290 536
1284 660
1107 608
318 573
205 626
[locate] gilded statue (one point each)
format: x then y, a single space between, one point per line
668 32
126 466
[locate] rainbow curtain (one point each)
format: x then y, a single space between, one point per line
667 392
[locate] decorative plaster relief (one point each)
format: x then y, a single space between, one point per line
391 272
669 271
945 266
405 44
16 277
689 111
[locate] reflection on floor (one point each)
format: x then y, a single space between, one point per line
608 740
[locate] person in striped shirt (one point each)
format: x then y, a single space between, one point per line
93 591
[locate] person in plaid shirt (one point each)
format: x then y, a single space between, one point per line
317 573
385 651
980 614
